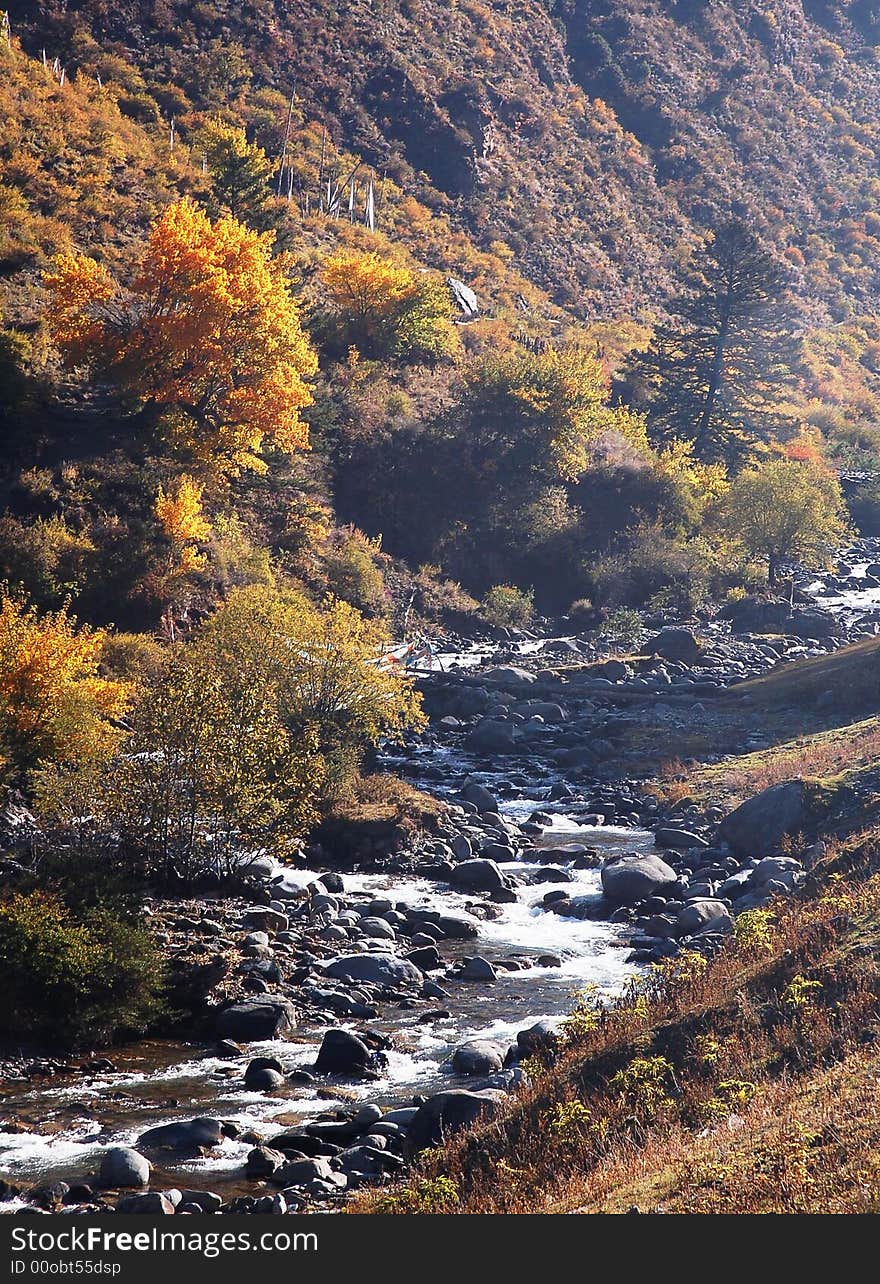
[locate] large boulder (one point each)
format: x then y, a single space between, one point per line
509 676
758 825
678 838
375 969
756 615
342 1052
193 1135
123 1167
629 879
675 644
704 915
478 876
480 1056
812 625
152 1202
448 1112
262 1017
479 795
491 736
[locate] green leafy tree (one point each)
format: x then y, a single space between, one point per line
785 509
240 174
714 373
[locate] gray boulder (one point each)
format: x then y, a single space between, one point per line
631 878
538 1037
478 969
704 915
479 1057
479 795
193 1135
491 736
478 876
447 1112
263 1017
375 969
342 1052
758 825
509 676
152 1202
675 644
678 838
781 869
122 1166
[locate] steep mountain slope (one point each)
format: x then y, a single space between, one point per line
592 137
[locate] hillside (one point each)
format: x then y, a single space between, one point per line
592 139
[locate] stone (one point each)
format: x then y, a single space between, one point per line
121 1166
153 1202
675 644
783 869
195 1134
426 958
478 969
757 826
377 928
448 1112
206 1201
539 1037
263 1163
679 838
342 1052
479 795
478 876
264 1074
256 1019
479 1057
264 919
509 676
299 1172
375 969
631 878
704 915
491 736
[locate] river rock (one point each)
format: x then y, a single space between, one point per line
478 876
375 969
378 928
121 1166
264 1074
263 1163
299 1172
152 1202
264 919
631 878
758 825
479 795
491 736
448 1112
675 644
678 838
342 1052
509 676
478 969
196 1134
479 1057
256 1019
704 915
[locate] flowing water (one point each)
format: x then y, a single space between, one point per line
58 1128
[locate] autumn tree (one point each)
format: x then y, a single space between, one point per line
179 510
54 704
714 372
387 309
785 510
207 336
240 174
241 737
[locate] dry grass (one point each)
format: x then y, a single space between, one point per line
741 1086
385 799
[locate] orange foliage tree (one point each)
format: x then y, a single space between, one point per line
54 705
208 334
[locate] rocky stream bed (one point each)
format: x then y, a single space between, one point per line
352 1010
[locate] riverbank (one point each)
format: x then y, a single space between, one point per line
330 1010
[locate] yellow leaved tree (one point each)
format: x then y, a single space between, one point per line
207 334
54 704
184 524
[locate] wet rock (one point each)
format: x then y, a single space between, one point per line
478 969
478 876
491 736
679 838
448 1112
299 1172
153 1202
264 1074
479 1057
375 969
342 1052
195 1134
263 1162
121 1166
479 795
257 1019
426 958
630 879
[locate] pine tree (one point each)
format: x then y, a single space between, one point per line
240 175
714 373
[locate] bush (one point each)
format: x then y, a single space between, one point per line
354 575
70 980
508 607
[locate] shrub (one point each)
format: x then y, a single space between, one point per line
353 573
508 607
74 980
